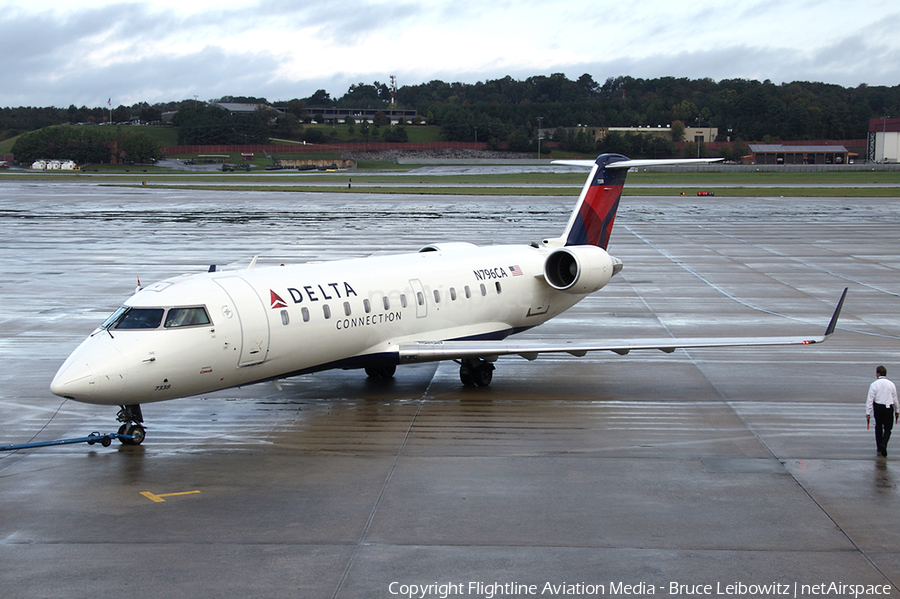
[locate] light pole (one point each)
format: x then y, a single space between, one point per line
697 138
540 118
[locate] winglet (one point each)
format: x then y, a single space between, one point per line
837 312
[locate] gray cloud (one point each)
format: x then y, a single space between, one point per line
151 53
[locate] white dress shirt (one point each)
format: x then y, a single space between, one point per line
884 392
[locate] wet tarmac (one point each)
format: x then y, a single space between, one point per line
705 467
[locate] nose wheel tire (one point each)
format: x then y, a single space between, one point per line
131 417
136 431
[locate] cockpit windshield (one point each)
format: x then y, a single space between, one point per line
126 318
140 318
186 317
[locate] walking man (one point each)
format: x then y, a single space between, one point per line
882 400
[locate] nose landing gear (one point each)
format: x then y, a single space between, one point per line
131 419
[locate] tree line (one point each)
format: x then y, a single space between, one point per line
739 108
747 109
509 111
86 145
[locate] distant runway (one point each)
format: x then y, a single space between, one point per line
705 467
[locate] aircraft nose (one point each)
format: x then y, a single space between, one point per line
94 373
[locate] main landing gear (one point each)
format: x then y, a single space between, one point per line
475 372
131 419
381 372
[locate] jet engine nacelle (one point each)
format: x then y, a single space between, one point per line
580 269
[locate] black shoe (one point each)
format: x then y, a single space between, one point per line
884 452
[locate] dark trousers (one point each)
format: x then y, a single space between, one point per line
884 422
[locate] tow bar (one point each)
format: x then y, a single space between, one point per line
103 439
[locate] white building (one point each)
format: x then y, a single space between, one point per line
884 140
54 165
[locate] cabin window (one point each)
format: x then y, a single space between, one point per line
326 309
403 299
468 292
437 296
285 318
304 312
186 317
386 302
497 285
367 306
483 290
140 318
346 308
452 294
420 297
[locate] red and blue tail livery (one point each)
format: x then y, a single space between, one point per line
591 222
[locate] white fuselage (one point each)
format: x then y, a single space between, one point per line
454 301
268 323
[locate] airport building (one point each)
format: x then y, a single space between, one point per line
694 134
331 116
884 140
338 115
790 154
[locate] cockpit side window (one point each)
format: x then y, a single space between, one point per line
187 317
140 318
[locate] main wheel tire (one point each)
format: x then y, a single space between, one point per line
483 374
381 372
466 376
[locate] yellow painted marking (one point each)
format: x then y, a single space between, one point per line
159 498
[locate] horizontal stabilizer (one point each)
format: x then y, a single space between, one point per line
639 162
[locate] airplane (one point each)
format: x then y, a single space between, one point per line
204 332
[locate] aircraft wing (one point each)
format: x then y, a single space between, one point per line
428 351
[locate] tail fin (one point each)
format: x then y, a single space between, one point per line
591 222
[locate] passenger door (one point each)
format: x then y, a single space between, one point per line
251 312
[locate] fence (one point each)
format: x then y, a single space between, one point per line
301 148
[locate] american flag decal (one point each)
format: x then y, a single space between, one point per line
516 271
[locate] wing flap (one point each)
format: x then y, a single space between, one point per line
459 350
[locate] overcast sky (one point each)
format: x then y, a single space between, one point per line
86 53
